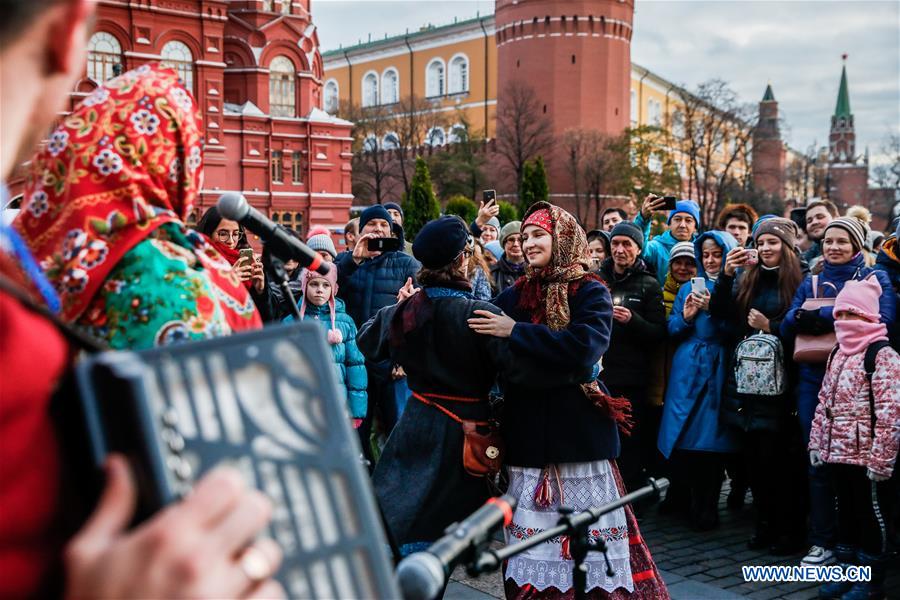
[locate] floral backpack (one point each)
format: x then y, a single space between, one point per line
759 366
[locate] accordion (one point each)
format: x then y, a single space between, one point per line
268 404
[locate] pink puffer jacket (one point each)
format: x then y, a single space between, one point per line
842 427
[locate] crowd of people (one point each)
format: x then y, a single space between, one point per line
560 365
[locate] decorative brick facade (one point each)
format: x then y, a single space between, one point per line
296 166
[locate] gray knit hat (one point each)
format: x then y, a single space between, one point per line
857 230
495 223
682 249
511 228
322 242
783 229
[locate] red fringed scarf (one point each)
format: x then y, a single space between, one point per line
544 293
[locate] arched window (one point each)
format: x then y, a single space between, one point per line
390 142
177 55
434 79
459 75
282 97
390 87
436 137
104 53
370 90
332 96
370 144
457 134
285 7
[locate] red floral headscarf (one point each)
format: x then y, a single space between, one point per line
544 293
127 160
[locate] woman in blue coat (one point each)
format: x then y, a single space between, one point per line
842 247
690 434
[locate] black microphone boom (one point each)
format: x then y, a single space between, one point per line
234 206
422 575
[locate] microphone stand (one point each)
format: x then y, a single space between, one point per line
577 527
275 267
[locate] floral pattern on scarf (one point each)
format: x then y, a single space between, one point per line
127 161
545 292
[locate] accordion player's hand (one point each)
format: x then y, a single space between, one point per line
201 547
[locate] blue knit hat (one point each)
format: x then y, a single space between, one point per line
395 206
494 248
378 211
688 207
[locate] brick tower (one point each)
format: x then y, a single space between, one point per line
848 176
576 55
768 149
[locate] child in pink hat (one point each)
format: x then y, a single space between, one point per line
856 432
320 303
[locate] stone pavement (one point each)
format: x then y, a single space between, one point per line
695 566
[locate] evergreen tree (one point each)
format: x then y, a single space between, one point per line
534 184
420 205
526 193
508 212
462 206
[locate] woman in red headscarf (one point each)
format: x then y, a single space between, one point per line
104 214
561 442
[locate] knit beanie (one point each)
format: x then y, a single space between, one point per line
495 249
682 249
511 228
629 230
317 230
494 222
759 222
783 229
334 335
857 230
377 211
394 206
324 242
688 207
860 298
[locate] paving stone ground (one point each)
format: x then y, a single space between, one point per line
695 566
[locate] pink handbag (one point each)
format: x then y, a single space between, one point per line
815 348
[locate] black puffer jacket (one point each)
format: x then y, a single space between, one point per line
744 411
505 273
628 361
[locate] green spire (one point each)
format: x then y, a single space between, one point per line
769 96
843 100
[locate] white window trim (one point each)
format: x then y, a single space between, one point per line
441 62
384 141
432 130
382 87
377 89
337 96
448 76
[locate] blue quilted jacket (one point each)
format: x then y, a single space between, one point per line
372 285
349 361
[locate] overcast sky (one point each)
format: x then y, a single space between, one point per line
796 46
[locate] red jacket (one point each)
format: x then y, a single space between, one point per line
842 426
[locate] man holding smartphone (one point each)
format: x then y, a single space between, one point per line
683 221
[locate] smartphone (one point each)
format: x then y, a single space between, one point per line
246 255
698 286
669 202
489 196
752 256
383 244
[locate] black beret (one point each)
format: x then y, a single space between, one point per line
440 241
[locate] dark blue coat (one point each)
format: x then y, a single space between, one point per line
372 285
811 375
558 425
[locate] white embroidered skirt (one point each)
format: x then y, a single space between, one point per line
584 485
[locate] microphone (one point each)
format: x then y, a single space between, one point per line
422 575
234 206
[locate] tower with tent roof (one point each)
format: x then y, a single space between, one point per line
847 181
768 162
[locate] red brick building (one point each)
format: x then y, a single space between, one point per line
255 69
848 175
768 162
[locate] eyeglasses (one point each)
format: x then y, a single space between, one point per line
224 235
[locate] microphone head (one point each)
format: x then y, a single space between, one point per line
233 206
421 576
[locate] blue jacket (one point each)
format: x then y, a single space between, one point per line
348 360
811 375
374 284
656 251
691 411
558 425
